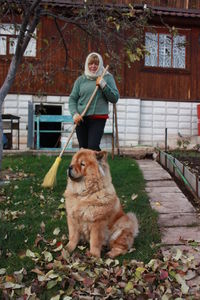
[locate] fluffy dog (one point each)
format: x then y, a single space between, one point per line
94 212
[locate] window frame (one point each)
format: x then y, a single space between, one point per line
160 69
8 56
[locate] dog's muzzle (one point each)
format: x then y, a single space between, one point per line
71 175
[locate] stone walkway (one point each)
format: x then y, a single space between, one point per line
178 220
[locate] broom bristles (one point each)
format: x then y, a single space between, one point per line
50 178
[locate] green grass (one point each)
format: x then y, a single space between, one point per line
26 205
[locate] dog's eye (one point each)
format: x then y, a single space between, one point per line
82 164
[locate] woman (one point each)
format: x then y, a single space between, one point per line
90 128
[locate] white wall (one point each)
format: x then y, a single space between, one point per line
139 121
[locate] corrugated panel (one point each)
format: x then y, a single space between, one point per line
30 140
191 178
185 4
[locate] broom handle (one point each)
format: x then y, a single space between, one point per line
83 113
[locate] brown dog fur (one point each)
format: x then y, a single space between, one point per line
94 212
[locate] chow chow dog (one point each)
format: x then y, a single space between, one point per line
94 212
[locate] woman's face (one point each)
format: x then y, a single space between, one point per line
93 66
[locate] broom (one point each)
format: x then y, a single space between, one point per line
50 178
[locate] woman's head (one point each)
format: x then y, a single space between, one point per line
93 65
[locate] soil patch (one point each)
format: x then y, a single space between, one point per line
192 163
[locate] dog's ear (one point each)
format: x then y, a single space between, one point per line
101 155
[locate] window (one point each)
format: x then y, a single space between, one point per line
8 41
165 50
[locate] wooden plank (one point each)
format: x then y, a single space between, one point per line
54 118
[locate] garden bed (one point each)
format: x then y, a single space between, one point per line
191 159
184 166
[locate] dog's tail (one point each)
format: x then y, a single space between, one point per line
133 218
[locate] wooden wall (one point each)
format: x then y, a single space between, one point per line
51 74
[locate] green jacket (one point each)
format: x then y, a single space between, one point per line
82 91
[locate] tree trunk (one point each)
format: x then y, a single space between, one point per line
3 93
22 43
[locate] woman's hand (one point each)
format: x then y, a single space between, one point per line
77 119
100 82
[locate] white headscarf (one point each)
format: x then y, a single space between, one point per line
100 69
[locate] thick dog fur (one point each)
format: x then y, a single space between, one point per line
94 212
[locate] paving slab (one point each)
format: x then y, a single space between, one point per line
151 167
156 175
144 162
170 203
169 197
171 207
179 235
163 189
152 170
178 219
163 183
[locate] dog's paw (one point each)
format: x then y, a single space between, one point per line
70 247
88 254
95 253
115 252
110 254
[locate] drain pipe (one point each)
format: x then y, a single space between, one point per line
180 173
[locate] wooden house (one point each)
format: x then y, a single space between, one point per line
159 92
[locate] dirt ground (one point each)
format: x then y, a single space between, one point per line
192 163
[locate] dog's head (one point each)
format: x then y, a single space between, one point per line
87 163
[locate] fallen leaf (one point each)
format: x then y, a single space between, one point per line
131 250
48 256
59 247
42 226
178 254
163 274
128 287
65 254
51 284
2 271
81 248
109 261
11 285
56 231
184 286
29 253
149 277
134 196
37 271
88 281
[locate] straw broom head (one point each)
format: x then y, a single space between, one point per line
50 178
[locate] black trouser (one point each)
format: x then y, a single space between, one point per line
89 133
